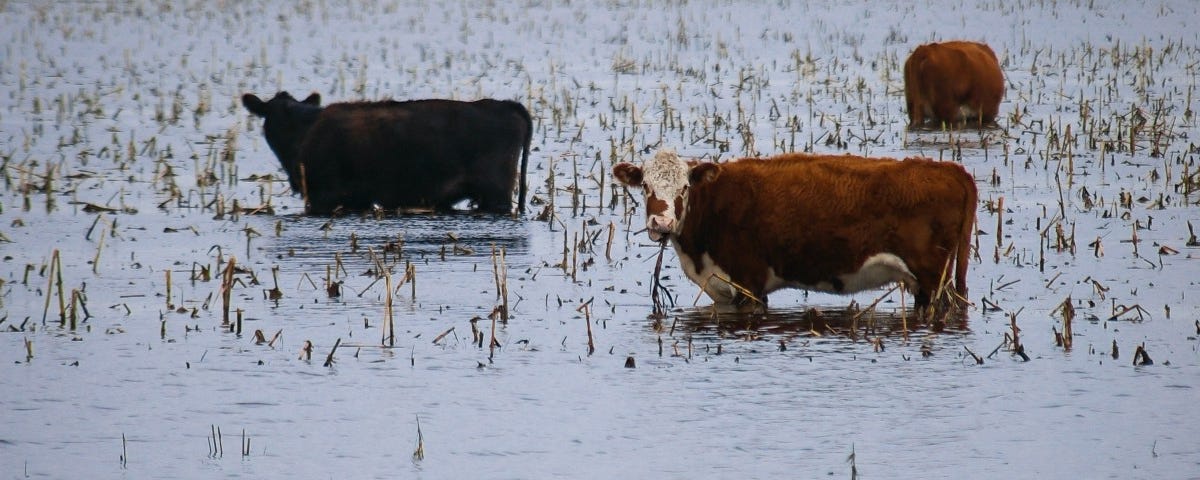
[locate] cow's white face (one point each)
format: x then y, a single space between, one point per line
664 180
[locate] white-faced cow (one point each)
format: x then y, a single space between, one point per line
392 154
839 224
953 82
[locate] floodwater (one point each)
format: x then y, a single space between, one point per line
125 148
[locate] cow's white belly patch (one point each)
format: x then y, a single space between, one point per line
878 270
708 276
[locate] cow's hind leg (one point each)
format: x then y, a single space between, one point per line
947 112
320 203
930 279
494 202
921 298
989 112
913 116
918 113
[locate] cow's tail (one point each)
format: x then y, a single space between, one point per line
521 185
963 256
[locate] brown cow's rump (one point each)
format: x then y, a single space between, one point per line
956 83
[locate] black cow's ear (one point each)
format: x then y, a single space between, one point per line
628 173
314 99
703 173
254 104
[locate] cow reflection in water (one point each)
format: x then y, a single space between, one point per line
791 327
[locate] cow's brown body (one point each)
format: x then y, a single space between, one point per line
954 83
837 224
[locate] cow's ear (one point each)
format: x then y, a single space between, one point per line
314 99
703 173
628 173
254 104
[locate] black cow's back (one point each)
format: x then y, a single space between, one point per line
423 153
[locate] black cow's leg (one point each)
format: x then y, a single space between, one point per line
496 208
318 204
493 202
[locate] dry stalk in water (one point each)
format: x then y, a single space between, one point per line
492 343
587 319
1067 310
612 230
659 310
1140 357
329 358
1017 348
55 277
275 293
500 272
227 289
978 359
389 332
419 454
443 335
871 307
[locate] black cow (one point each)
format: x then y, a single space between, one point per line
413 154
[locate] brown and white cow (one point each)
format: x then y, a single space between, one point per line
955 83
839 224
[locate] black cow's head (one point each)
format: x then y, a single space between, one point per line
287 121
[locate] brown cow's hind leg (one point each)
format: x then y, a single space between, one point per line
921 298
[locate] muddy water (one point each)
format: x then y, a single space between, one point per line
124 151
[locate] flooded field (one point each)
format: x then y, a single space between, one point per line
167 312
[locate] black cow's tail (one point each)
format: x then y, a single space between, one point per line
521 188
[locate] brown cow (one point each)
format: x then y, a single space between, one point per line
952 82
838 224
